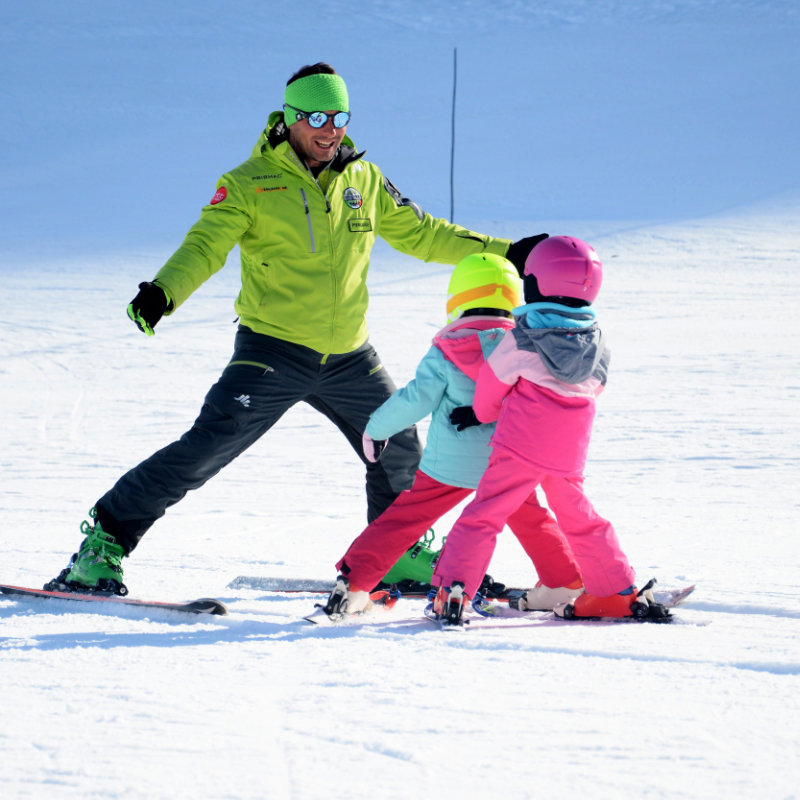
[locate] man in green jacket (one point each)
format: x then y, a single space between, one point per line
305 209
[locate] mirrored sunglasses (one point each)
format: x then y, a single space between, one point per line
318 119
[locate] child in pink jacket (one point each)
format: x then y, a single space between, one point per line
540 384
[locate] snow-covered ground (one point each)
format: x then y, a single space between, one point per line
665 134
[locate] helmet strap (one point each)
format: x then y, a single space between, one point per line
487 312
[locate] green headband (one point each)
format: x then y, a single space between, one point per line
320 92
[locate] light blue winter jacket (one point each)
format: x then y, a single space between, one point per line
445 379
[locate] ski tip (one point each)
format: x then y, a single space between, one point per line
441 623
210 605
319 617
674 597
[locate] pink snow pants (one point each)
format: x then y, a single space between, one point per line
507 482
377 548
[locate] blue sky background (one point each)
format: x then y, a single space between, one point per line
118 118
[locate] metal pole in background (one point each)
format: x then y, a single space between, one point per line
453 134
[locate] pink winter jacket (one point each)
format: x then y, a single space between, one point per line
540 384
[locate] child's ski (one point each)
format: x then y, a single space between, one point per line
666 597
381 600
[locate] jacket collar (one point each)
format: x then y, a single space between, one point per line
276 133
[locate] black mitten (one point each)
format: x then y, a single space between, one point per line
463 417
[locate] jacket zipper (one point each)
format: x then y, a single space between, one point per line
334 294
334 299
308 219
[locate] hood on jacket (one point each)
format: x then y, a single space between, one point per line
568 340
462 342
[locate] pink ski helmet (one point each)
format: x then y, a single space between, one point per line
563 267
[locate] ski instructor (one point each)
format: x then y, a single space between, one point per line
305 209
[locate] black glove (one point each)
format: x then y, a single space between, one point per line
147 308
463 417
518 251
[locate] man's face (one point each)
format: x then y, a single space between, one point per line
316 146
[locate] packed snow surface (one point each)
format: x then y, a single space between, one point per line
664 133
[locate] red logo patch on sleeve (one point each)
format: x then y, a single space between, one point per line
219 196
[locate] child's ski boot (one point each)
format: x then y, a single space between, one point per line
343 601
546 598
448 604
631 602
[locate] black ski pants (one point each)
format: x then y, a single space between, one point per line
265 377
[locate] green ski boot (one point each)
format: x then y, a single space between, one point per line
96 567
415 567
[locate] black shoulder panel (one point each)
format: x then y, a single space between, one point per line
278 134
400 200
345 155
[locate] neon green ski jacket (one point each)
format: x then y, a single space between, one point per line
305 243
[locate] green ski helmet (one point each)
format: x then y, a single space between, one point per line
482 280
